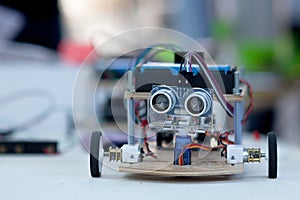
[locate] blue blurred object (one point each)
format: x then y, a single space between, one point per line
182 141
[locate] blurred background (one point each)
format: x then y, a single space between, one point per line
40 38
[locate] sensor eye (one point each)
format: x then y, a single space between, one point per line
195 105
162 101
198 103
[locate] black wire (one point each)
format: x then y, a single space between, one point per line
221 142
23 94
182 61
224 153
51 108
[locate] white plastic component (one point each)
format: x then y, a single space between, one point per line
213 142
130 153
235 154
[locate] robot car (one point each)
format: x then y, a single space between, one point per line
190 107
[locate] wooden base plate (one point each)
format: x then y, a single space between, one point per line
203 164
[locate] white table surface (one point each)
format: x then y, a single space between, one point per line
66 176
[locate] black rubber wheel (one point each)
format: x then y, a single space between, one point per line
95 155
272 143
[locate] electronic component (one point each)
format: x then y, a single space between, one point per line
168 73
180 100
114 154
239 154
30 147
180 143
253 155
235 154
130 153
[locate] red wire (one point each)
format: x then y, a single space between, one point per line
226 135
144 124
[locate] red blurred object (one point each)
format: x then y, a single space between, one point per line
73 52
256 135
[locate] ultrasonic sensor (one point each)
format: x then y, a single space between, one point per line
198 103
